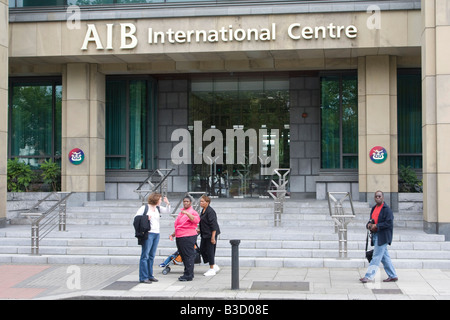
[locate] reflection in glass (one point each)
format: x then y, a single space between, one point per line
409 109
115 142
339 122
247 104
129 125
35 122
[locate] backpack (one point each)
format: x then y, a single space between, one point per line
142 226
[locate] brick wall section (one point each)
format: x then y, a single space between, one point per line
305 133
173 113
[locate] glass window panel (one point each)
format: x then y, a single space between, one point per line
115 163
349 115
414 162
138 120
409 109
58 122
36 3
31 120
35 121
97 2
251 85
339 122
240 103
89 2
277 84
330 131
225 85
350 162
130 130
206 86
116 116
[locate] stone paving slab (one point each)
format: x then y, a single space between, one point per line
58 282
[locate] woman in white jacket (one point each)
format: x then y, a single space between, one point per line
150 245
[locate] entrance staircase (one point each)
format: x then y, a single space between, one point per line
101 233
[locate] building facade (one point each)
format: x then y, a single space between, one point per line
343 93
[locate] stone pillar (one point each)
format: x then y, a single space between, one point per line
436 115
83 127
3 107
377 122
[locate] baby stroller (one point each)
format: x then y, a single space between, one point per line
175 258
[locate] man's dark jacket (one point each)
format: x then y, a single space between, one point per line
385 225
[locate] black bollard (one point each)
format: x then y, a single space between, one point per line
235 264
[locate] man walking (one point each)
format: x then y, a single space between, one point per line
381 225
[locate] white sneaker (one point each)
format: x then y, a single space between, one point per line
216 268
209 273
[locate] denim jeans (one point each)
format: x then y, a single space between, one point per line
148 256
380 254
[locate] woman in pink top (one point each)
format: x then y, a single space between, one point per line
186 237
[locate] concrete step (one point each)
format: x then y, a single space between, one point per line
269 246
101 233
302 214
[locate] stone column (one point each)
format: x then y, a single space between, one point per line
377 122
3 107
436 115
83 127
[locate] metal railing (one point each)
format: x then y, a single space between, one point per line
279 194
156 180
35 207
43 225
33 210
341 218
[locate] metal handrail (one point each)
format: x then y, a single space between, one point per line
43 225
279 194
162 184
36 205
341 218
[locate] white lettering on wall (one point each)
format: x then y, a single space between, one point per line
224 34
297 32
109 36
125 35
129 39
92 35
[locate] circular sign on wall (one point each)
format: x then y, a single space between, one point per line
378 154
76 156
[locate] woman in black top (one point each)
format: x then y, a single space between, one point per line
209 230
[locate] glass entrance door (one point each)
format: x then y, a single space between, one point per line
250 115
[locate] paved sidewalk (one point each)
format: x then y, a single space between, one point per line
57 282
